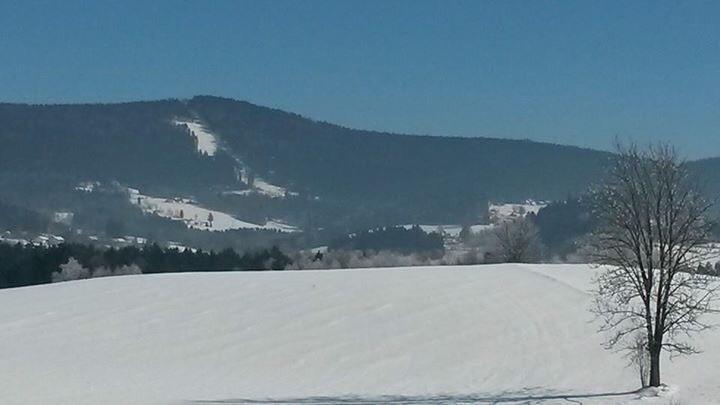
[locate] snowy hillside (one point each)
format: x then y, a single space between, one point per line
504 212
478 334
196 217
206 142
209 146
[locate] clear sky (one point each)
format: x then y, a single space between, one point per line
569 72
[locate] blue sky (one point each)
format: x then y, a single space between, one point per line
570 72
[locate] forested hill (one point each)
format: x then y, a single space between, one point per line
333 160
707 173
332 176
131 142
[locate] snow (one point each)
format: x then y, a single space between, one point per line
498 214
264 188
472 334
505 212
62 217
14 241
260 186
196 217
450 230
180 247
45 239
87 186
280 226
135 239
710 254
257 184
186 211
270 190
238 192
206 141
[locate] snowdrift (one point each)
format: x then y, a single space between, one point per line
475 334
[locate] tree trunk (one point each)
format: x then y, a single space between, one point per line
655 366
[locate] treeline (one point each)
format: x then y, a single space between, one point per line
135 143
565 226
562 225
394 238
29 265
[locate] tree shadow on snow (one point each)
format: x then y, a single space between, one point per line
527 396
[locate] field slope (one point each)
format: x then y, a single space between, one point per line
476 334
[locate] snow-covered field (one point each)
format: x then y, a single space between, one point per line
476 334
504 212
196 217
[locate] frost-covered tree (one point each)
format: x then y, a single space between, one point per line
119 271
465 233
517 241
652 235
72 270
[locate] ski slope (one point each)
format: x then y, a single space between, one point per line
475 334
206 142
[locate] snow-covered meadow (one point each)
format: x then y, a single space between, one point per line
475 334
197 217
508 211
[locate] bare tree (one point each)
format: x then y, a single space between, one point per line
653 233
518 241
638 357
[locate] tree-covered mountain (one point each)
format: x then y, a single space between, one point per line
346 163
132 142
333 178
707 172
